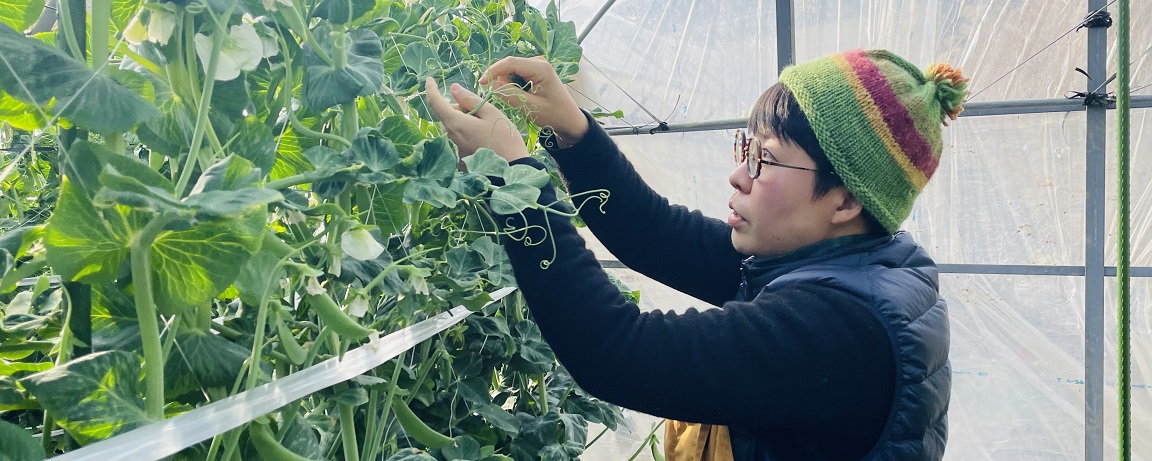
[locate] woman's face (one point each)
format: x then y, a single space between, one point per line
776 213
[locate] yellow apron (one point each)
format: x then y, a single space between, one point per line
696 442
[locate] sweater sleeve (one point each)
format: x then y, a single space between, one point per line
641 228
803 355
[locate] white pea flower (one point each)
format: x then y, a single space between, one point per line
313 286
242 51
135 33
359 244
358 307
161 23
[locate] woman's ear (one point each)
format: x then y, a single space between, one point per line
848 207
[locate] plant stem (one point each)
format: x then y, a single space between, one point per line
101 18
380 277
70 39
146 314
348 432
202 111
543 388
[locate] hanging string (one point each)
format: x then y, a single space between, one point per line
1123 233
1083 23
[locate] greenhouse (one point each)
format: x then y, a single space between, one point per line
261 230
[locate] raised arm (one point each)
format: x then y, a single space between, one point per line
667 243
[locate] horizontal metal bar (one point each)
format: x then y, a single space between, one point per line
987 269
973 109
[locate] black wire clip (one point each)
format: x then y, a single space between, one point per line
1098 19
1095 98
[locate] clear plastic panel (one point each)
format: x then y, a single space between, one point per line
681 60
1140 322
987 38
1018 367
1009 190
1140 201
690 169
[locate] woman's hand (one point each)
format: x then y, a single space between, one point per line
474 123
543 97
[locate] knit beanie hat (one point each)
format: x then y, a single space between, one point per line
878 119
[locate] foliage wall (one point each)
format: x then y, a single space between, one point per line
232 190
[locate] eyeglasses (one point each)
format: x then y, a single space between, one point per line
742 145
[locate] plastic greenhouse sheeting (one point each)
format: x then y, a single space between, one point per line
1010 189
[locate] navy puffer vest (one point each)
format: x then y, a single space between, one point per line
898 281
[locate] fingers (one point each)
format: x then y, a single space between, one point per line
536 70
472 103
439 106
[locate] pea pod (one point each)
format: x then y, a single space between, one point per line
335 318
269 448
292 349
416 428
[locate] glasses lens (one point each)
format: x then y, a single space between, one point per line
752 153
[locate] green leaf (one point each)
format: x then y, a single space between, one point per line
466 448
21 116
230 174
470 184
353 396
388 211
114 322
301 438
374 151
192 266
513 198
80 244
464 266
39 74
127 190
122 13
410 454
19 445
564 45
498 418
486 162
325 160
259 272
437 160
228 203
200 361
402 132
489 326
290 158
253 140
428 190
20 14
526 174
93 397
343 11
328 85
421 60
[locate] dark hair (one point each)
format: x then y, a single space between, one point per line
777 114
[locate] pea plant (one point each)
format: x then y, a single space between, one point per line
201 196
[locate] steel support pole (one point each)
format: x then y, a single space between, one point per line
785 34
1094 234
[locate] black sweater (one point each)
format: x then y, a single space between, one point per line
807 367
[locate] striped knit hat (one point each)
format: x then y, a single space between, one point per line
878 119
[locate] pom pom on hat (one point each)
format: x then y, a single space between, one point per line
951 89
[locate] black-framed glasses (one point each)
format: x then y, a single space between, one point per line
743 145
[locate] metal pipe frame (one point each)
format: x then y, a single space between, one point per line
974 109
1094 236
